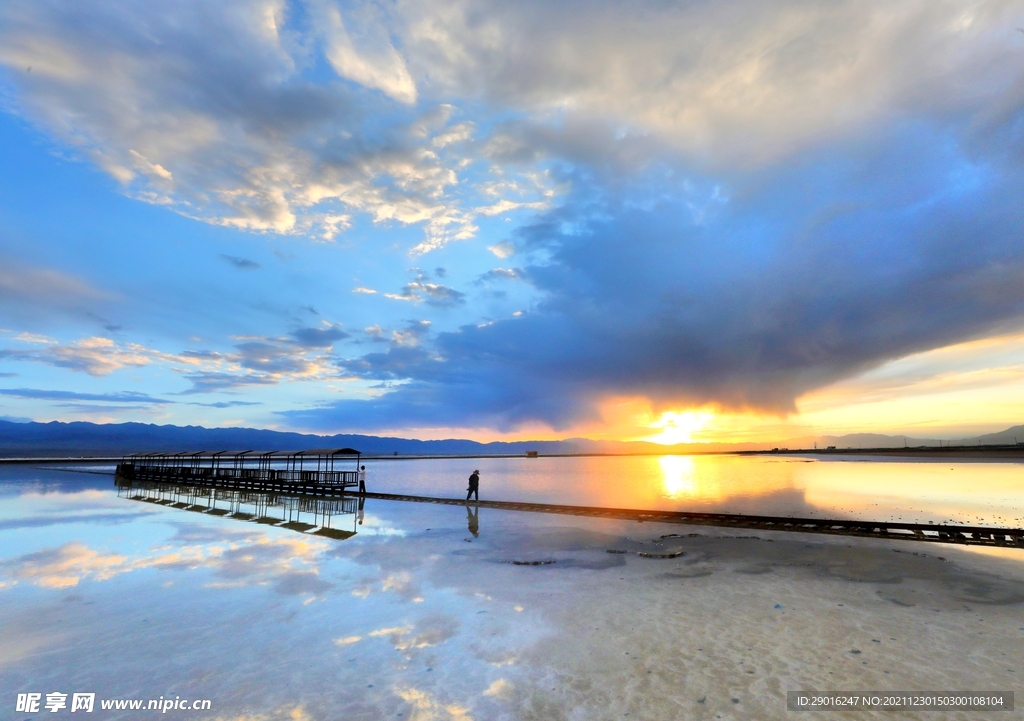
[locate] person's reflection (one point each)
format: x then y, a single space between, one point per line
359 514
473 518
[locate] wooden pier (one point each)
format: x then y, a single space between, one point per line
311 472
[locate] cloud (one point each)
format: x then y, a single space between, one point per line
435 294
29 292
256 361
213 381
500 274
372 62
289 566
264 361
228 404
808 275
210 110
65 566
726 204
116 397
428 632
501 689
96 356
318 337
427 706
413 332
240 263
733 82
273 358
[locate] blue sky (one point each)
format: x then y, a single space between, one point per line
518 220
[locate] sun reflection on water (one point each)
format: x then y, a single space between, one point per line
678 476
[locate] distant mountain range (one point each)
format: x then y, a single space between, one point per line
58 439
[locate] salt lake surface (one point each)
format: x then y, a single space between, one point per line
441 612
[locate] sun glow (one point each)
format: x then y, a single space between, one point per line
679 427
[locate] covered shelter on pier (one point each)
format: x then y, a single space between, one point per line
317 467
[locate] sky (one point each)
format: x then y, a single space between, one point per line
694 221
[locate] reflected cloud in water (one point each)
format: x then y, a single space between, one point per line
406 619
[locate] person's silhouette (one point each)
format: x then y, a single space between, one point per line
359 515
473 518
362 479
474 486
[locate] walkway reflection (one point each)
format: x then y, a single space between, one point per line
305 514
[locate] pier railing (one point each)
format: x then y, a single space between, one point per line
307 471
138 472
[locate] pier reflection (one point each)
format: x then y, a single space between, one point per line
318 516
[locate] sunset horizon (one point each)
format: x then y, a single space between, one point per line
780 223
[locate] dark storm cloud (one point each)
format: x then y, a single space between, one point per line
742 297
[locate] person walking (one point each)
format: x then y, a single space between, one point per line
362 479
474 486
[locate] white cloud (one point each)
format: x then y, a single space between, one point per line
372 62
96 356
732 82
205 108
502 250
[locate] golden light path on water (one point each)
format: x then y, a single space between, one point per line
932 491
964 492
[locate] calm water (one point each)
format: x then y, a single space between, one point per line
851 487
428 613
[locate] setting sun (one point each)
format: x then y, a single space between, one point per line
679 427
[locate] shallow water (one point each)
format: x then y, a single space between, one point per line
433 612
836 487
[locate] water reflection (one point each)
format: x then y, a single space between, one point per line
409 621
678 476
305 514
925 491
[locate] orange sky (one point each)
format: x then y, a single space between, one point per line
958 391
